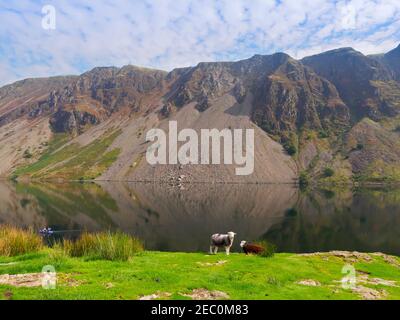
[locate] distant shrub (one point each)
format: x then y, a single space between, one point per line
304 179
27 154
328 172
322 134
104 245
397 129
290 148
329 194
269 249
15 241
291 213
360 146
266 126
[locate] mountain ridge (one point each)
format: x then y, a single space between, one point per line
308 111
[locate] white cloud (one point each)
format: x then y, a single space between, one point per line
174 33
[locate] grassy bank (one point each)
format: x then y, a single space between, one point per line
179 275
114 266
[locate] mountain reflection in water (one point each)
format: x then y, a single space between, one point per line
174 219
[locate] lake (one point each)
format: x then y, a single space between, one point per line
170 218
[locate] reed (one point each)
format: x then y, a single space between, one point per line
15 241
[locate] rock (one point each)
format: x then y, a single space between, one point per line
388 259
72 121
369 293
204 294
376 281
22 280
309 282
209 264
34 280
167 110
8 295
239 92
154 296
109 285
347 256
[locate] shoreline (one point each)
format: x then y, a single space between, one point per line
164 182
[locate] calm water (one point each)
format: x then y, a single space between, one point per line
171 219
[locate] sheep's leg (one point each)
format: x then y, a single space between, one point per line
215 250
211 249
227 249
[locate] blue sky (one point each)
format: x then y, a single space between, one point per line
166 34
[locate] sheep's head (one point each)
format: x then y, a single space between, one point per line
242 244
231 235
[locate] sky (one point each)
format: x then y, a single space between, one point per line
47 38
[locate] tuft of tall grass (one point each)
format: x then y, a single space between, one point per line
269 249
15 241
57 255
104 246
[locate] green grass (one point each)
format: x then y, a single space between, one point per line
241 277
72 161
50 156
104 245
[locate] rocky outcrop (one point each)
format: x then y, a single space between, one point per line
99 93
392 62
287 95
71 122
117 88
31 98
294 97
201 84
371 147
357 79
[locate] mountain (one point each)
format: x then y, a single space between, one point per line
338 110
392 61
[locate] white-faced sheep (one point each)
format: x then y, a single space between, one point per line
222 240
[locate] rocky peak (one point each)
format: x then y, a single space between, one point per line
292 97
210 80
356 77
394 52
344 63
201 84
128 77
392 62
259 65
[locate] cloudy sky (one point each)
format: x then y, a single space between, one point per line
173 33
